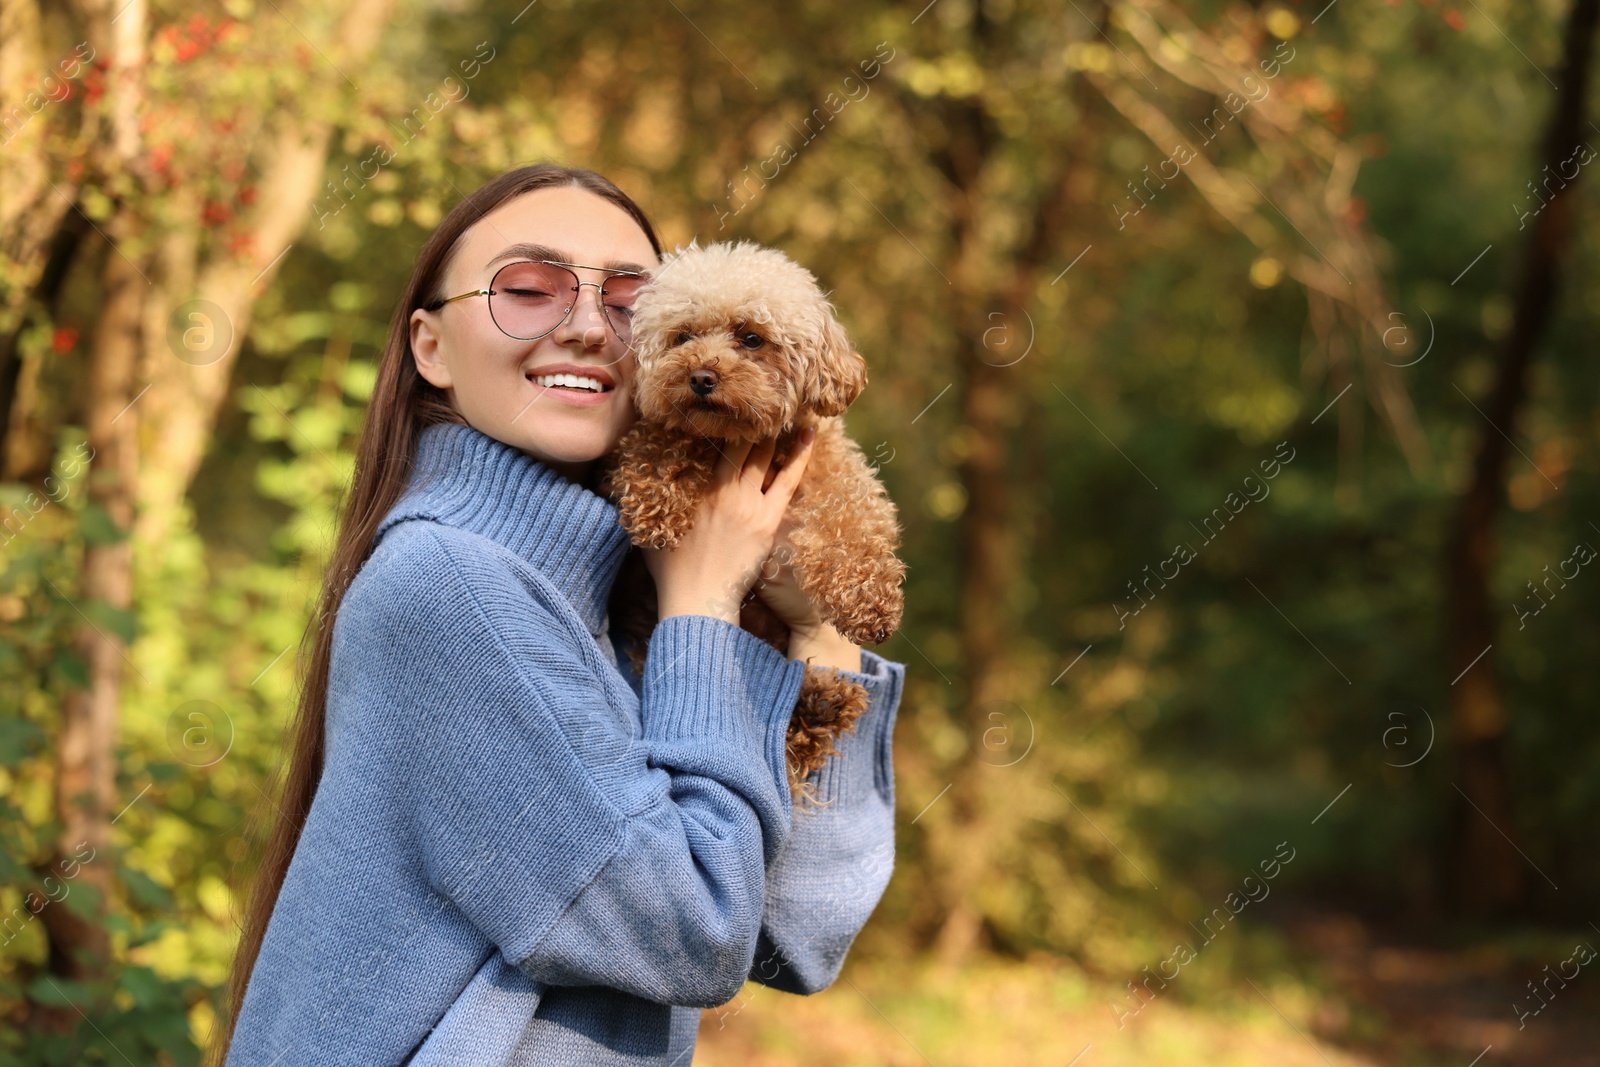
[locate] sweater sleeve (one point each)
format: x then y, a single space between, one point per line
588 854
837 859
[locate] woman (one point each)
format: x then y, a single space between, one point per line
495 845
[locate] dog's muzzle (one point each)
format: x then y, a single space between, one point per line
703 381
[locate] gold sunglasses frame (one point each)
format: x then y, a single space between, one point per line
610 272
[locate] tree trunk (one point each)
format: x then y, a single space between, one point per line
1490 874
130 335
35 209
32 203
993 393
86 768
24 445
989 568
181 407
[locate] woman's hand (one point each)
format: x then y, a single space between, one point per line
777 588
810 638
719 559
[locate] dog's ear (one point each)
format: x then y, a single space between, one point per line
837 374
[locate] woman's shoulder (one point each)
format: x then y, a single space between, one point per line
427 556
425 572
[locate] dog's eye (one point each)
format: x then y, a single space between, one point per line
752 340
683 339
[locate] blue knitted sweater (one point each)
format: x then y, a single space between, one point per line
521 853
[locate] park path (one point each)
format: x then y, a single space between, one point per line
1450 1005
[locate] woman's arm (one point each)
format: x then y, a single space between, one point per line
589 855
835 862
823 646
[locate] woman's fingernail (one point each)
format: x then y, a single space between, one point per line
807 434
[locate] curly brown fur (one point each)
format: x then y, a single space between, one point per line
690 319
828 707
677 470
738 343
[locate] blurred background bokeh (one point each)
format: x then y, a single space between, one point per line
1229 367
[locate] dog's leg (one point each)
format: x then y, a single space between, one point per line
829 706
657 482
844 534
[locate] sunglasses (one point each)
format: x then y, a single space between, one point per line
529 299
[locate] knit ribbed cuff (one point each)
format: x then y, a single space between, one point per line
864 768
704 677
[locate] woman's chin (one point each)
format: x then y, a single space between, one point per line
566 436
572 449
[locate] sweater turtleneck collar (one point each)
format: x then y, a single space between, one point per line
466 479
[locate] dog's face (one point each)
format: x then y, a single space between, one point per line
735 340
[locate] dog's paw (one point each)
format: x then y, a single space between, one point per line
870 631
867 613
657 538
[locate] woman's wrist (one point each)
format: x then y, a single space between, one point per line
701 594
823 646
718 600
717 610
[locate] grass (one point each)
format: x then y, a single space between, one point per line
888 1013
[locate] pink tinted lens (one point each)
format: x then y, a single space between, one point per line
531 299
618 296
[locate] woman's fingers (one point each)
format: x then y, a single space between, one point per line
788 479
760 458
733 454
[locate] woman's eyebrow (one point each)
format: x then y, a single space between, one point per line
527 251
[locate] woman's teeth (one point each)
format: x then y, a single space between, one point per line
570 381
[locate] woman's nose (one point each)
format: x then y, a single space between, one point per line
589 317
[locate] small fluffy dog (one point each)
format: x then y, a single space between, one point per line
736 342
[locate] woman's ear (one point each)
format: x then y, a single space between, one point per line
425 349
837 374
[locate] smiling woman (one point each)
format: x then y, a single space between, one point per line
500 844
477 351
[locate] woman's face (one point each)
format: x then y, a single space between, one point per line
489 377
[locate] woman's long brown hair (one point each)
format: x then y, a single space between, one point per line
403 402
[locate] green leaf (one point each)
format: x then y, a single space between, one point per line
145 890
11 872
358 379
96 204
19 738
97 528
164 772
57 992
84 901
150 931
118 621
144 985
72 667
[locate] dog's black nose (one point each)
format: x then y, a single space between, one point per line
703 381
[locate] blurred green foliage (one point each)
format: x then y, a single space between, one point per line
1163 368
